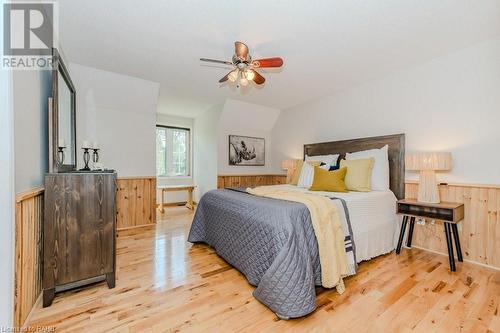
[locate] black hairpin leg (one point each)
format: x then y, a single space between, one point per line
410 231
402 234
454 228
451 257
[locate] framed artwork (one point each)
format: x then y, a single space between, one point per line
247 151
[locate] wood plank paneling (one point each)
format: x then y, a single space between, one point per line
28 252
136 202
249 180
480 229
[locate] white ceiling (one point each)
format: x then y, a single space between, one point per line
327 45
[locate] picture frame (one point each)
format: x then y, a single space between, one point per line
246 151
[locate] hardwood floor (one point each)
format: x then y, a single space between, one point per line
165 284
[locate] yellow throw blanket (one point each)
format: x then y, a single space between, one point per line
327 227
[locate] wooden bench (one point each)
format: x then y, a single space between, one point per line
175 188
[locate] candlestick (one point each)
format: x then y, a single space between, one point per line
61 155
95 155
86 159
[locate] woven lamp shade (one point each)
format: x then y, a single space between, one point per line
428 164
428 161
289 164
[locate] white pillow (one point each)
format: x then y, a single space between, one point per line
306 176
327 159
380 173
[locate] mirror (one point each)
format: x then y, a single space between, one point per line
62 119
65 122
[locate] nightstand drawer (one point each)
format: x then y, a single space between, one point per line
450 212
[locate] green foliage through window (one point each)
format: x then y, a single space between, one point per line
172 151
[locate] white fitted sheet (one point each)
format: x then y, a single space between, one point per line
374 222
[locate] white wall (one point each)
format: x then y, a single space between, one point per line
448 104
7 191
119 112
176 121
205 150
31 90
247 119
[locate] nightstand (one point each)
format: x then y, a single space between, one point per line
449 212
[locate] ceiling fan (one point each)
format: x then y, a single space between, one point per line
244 66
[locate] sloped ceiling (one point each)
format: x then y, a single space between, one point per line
327 45
248 115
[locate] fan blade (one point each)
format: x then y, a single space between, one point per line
257 78
217 61
226 77
268 62
241 50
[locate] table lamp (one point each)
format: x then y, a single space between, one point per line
289 166
428 164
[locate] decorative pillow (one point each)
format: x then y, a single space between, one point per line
380 174
331 181
327 159
359 174
296 173
307 174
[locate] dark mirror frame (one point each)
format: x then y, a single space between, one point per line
58 66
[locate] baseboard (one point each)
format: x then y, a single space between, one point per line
446 255
24 327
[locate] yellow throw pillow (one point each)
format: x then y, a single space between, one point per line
359 174
296 173
331 181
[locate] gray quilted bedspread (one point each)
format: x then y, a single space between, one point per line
272 242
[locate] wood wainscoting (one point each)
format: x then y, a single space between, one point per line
135 202
28 253
250 180
480 229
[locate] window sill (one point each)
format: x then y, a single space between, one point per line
174 177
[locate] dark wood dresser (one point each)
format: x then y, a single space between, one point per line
79 243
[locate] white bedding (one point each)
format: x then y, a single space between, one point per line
374 222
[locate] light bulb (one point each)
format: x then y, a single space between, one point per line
249 74
244 82
233 76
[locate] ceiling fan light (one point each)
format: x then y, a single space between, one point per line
243 82
249 74
233 76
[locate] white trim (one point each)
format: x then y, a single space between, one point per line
174 177
7 197
191 150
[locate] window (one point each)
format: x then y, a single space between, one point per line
172 151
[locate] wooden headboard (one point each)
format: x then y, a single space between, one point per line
396 145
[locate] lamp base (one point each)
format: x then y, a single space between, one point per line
428 190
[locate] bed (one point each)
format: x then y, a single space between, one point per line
272 242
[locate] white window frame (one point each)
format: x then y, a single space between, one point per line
190 150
